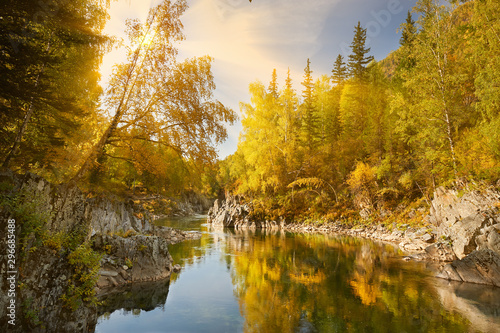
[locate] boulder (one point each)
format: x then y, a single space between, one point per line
481 267
428 238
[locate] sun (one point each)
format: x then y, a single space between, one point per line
148 39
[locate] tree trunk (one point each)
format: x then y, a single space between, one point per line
452 145
135 66
98 150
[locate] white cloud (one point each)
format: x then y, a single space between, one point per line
248 40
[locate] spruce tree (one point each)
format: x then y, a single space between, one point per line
339 70
409 30
273 85
309 116
359 59
407 41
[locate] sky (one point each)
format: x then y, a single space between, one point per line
249 40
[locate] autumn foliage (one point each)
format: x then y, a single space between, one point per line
154 128
376 134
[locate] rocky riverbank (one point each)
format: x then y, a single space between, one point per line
461 228
60 235
137 258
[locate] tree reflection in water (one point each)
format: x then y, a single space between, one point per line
283 281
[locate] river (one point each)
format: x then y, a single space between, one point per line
244 281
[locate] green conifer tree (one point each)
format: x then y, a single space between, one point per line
409 30
309 121
359 58
339 70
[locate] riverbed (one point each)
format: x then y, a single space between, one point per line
272 281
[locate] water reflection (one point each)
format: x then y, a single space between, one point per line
479 304
271 281
332 284
134 298
187 223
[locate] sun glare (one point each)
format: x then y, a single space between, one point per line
148 39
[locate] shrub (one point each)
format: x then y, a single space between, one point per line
85 266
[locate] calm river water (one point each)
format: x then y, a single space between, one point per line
243 281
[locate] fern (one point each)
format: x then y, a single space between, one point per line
312 183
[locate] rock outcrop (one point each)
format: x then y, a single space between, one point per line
229 212
44 279
122 230
232 213
480 267
190 203
470 221
137 258
132 259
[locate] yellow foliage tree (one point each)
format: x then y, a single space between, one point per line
156 99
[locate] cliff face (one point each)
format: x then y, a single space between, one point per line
233 213
470 221
133 250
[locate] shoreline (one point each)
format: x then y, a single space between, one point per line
417 244
412 241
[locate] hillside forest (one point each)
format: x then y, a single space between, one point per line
371 138
367 138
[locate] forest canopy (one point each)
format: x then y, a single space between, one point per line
370 135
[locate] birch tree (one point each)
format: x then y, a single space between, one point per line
154 98
434 85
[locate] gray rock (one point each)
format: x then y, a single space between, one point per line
112 281
467 220
149 256
481 267
108 273
229 213
440 252
449 273
428 238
